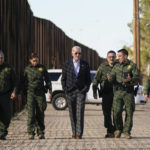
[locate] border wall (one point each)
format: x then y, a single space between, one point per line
21 33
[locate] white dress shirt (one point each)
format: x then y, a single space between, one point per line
76 66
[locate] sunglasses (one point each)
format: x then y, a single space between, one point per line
111 57
77 53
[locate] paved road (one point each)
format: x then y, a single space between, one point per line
58 132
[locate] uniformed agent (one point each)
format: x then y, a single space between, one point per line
8 90
106 91
124 76
34 76
147 89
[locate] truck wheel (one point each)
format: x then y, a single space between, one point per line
59 101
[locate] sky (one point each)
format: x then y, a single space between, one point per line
98 24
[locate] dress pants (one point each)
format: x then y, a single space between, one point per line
76 104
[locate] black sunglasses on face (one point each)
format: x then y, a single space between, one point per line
77 53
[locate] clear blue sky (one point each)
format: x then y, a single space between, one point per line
98 24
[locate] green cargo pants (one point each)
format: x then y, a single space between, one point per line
121 99
36 105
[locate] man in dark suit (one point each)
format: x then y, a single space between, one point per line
76 82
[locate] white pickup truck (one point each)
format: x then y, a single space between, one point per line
58 99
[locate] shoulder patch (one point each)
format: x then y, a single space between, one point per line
129 67
6 69
40 69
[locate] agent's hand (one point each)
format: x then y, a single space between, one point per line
13 96
128 79
49 96
109 77
95 95
146 97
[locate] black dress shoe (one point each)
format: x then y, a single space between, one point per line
78 137
73 137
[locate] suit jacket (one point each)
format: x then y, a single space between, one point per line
71 82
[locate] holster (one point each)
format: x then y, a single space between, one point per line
40 91
100 92
136 90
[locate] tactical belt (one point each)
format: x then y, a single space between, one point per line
121 88
129 89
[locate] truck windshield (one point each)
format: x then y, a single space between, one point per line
54 76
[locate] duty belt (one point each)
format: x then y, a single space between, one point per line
129 89
121 88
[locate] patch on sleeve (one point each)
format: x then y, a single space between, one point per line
6 69
40 69
129 67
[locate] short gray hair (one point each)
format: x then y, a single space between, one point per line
76 47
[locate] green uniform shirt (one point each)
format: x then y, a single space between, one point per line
101 77
147 86
8 79
34 78
120 72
